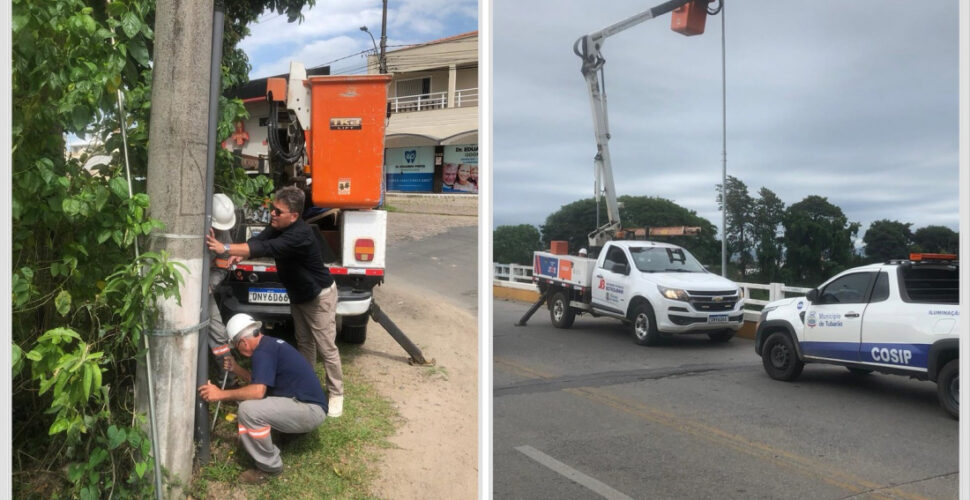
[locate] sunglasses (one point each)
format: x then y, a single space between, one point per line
277 212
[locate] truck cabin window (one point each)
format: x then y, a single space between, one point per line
661 260
849 289
880 291
937 284
613 256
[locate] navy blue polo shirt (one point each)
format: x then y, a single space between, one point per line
286 373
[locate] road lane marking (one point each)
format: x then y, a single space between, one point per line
779 457
592 484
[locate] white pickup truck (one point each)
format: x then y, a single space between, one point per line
901 317
658 288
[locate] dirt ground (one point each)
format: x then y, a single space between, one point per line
435 452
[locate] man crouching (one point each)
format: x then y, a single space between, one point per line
282 393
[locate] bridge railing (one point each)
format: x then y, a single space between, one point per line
756 295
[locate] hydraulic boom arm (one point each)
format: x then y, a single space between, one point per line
588 48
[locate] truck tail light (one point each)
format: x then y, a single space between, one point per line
364 249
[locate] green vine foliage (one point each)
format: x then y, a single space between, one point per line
82 298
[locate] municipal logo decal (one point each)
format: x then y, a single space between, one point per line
811 320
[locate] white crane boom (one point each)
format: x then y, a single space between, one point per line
588 48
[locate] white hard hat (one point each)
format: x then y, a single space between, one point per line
240 324
223 212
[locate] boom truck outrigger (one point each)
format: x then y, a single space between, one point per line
325 135
658 288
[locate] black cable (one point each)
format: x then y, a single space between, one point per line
273 138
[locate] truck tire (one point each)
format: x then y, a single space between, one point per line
354 329
721 336
645 325
780 358
560 313
948 388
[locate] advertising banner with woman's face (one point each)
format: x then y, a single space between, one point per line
460 173
410 169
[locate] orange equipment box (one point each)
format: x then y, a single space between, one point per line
688 19
559 247
346 140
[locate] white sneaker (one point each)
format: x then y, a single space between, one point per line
335 406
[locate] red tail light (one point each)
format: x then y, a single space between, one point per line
364 250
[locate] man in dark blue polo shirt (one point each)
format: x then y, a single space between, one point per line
312 291
282 393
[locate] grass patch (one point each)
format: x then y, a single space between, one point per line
391 208
337 460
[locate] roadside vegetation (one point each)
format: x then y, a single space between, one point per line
337 460
83 296
801 244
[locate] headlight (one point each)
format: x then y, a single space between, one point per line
673 293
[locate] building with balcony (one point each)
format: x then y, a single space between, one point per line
432 132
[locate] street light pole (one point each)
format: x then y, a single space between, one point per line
365 30
382 66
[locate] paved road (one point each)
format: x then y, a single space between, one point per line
446 264
586 413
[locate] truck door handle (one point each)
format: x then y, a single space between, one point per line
851 315
599 275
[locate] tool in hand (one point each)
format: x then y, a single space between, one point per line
215 417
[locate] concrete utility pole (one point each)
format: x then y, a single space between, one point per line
176 174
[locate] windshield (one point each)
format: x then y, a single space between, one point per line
659 260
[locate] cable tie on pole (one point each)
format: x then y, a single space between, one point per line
171 236
180 332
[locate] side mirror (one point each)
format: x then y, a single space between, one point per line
812 295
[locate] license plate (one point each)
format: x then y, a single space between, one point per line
717 318
268 296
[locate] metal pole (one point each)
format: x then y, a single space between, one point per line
202 430
153 425
382 61
723 151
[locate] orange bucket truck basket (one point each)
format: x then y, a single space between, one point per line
346 143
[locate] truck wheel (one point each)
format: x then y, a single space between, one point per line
645 326
354 329
780 358
948 388
722 336
560 313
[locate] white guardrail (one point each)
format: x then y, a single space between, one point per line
519 276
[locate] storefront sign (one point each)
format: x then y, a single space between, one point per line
460 173
409 169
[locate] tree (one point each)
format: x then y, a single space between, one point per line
738 207
515 244
936 239
887 239
818 240
574 221
81 300
769 211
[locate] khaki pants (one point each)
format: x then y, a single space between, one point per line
315 323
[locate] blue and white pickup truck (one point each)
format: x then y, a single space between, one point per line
659 289
901 317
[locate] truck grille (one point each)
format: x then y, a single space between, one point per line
705 301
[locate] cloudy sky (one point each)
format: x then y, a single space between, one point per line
331 31
853 101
